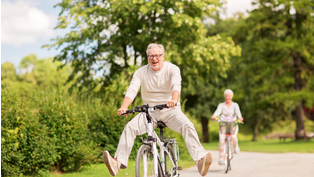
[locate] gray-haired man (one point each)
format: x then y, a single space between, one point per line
160 83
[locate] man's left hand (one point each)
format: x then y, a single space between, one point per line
171 103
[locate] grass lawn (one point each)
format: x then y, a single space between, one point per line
269 146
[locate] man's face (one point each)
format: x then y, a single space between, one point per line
228 97
155 58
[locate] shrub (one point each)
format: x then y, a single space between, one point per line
48 132
12 127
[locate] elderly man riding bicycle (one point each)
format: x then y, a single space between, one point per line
160 83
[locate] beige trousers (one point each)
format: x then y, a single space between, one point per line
222 138
174 118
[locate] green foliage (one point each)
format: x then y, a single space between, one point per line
66 130
33 72
43 72
104 124
8 71
112 35
275 70
203 69
12 128
50 134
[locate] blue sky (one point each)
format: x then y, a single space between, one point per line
26 25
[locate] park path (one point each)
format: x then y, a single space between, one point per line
253 164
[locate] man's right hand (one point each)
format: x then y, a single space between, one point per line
121 111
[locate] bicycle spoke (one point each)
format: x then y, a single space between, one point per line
145 163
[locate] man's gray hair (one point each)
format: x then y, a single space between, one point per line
152 45
228 91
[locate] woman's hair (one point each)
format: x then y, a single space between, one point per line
228 91
152 45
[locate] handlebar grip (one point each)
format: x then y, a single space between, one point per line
162 106
128 112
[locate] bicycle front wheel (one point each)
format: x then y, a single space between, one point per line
226 154
171 162
231 152
144 166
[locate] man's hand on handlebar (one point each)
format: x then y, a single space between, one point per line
122 111
144 108
171 103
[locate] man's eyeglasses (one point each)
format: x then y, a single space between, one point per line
157 56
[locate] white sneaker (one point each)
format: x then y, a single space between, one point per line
221 161
237 150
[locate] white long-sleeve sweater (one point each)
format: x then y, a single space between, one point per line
233 110
156 86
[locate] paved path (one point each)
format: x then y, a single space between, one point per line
252 164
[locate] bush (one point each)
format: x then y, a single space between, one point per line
106 126
48 132
12 127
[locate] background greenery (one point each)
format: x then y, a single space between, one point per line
59 114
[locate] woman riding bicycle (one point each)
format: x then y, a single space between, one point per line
160 83
228 108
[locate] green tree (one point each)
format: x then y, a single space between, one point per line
275 70
8 71
12 80
108 36
204 68
43 72
8 74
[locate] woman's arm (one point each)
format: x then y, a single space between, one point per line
217 112
238 112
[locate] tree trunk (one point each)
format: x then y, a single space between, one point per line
255 132
298 84
300 131
205 135
125 56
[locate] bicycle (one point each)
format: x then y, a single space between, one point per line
148 161
227 127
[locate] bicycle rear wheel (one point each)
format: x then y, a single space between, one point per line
226 155
144 166
171 166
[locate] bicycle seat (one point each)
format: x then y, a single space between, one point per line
161 125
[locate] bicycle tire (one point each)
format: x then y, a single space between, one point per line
226 155
231 152
170 169
146 151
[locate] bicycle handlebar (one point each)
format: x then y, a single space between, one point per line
145 108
